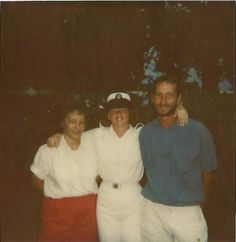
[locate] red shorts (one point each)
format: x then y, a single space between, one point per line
69 219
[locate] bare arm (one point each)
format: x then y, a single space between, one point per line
209 179
37 183
143 181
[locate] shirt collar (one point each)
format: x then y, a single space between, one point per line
113 133
158 123
63 144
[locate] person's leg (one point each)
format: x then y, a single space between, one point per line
154 220
108 227
85 224
189 224
130 227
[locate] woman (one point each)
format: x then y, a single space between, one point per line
66 175
121 169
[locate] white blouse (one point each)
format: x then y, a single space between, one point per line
119 158
66 172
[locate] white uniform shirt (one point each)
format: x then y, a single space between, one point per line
119 158
66 172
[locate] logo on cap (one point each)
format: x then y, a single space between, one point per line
118 96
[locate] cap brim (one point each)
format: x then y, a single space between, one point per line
121 103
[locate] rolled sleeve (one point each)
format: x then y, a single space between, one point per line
39 165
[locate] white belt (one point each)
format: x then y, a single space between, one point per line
119 185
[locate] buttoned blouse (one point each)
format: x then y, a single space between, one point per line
66 172
119 158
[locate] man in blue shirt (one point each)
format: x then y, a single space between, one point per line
178 161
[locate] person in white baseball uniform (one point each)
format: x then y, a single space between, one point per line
66 176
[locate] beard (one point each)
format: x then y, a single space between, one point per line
168 112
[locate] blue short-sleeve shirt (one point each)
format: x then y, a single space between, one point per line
174 159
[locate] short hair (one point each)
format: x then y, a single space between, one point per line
70 107
169 78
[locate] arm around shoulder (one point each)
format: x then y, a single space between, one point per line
54 140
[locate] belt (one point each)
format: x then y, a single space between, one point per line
118 185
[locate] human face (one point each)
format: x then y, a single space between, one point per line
74 125
119 117
165 99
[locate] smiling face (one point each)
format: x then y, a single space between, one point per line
119 117
74 125
165 98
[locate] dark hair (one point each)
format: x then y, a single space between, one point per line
169 78
70 107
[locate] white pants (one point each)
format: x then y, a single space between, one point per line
118 213
161 223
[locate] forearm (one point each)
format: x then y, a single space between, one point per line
209 179
37 183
